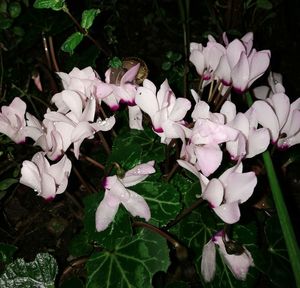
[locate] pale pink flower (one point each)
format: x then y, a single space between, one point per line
165 110
275 86
47 180
114 93
12 120
116 193
238 264
81 81
251 140
204 142
280 117
81 118
245 67
225 193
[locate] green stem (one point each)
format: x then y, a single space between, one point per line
283 215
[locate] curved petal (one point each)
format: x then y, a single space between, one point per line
233 51
229 110
197 58
266 117
180 109
214 193
106 211
240 187
258 142
129 76
135 117
240 74
137 206
104 125
60 169
228 212
208 261
73 101
238 264
146 100
209 158
88 113
262 92
48 187
30 176
138 174
258 65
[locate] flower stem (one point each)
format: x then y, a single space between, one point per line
158 231
283 215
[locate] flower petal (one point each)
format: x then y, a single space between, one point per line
208 261
138 174
240 187
214 193
137 206
106 211
228 212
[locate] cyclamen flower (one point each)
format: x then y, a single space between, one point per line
116 193
275 86
238 264
251 140
165 110
47 180
280 117
225 193
80 118
12 120
81 81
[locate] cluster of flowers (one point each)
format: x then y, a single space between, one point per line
244 135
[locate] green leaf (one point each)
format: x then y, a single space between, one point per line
264 4
162 198
5 23
133 147
119 228
166 65
6 183
14 9
197 228
274 261
115 62
39 273
53 4
6 252
88 17
80 245
72 42
132 263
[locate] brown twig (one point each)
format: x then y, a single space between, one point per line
156 230
90 188
52 54
86 33
184 213
104 143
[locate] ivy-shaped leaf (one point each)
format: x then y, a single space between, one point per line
52 4
119 228
197 228
132 263
162 198
134 147
39 273
274 261
72 42
88 17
